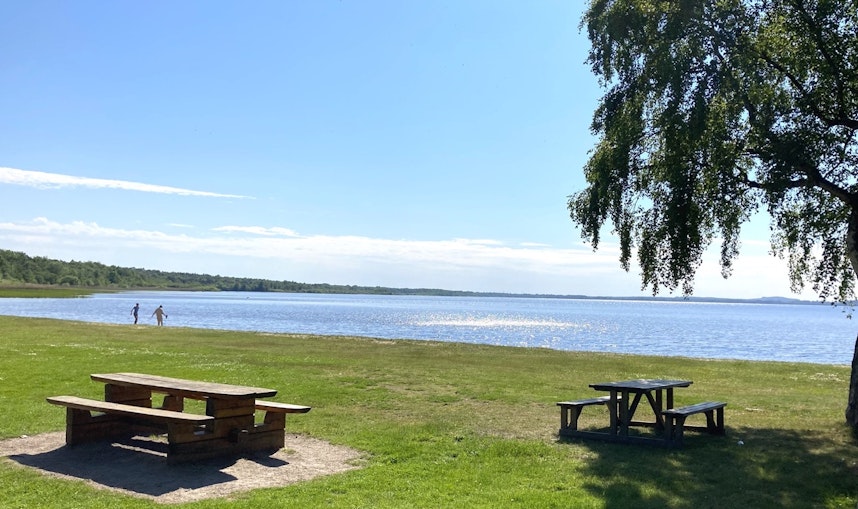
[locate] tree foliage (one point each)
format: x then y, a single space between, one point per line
20 269
712 110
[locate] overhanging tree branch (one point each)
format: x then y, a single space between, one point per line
835 69
771 88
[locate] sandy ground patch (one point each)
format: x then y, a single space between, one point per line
143 471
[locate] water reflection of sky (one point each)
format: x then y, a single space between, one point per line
808 333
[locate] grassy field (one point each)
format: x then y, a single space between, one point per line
454 425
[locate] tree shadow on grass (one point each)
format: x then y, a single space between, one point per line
770 468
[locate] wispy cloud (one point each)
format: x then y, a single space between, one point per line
285 245
43 180
467 264
258 230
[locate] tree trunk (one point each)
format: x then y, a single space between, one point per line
852 253
852 404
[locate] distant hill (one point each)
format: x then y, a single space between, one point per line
18 269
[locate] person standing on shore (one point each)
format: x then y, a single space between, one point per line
134 311
160 315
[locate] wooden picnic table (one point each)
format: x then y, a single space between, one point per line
626 395
623 400
236 402
229 425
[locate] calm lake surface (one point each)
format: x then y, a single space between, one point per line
778 332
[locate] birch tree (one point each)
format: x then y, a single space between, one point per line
712 111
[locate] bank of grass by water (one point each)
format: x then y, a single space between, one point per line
454 425
45 292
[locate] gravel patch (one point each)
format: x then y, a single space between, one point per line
139 468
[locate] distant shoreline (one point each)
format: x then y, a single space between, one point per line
27 276
61 291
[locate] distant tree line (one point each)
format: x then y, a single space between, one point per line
20 269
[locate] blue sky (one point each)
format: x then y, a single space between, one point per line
405 144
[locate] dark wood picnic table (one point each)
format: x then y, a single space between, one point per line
623 401
626 395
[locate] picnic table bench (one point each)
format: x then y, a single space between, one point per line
228 427
82 426
675 420
570 411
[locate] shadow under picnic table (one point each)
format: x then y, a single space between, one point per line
134 465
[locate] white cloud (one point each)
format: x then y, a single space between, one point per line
258 230
284 245
457 264
42 180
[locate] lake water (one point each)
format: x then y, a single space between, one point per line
778 332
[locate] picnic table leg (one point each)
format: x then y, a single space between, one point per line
615 411
633 408
564 418
230 416
677 430
138 396
715 421
653 403
669 430
174 403
82 427
625 414
719 421
658 406
568 417
661 421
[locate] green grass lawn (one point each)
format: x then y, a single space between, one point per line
454 425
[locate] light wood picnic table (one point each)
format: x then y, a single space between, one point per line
229 425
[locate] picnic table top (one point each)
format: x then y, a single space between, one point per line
640 385
180 386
